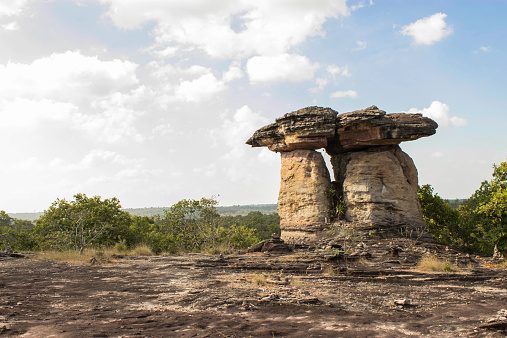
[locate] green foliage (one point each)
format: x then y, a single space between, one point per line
478 224
264 225
485 213
338 207
195 225
15 234
442 219
84 222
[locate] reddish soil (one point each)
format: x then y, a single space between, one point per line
303 294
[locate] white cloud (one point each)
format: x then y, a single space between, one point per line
12 7
233 73
11 26
360 45
229 28
234 132
320 84
361 4
437 154
200 89
483 49
337 71
344 94
163 129
428 30
66 76
284 67
82 92
25 113
166 52
439 112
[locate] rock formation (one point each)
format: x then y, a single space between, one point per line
375 181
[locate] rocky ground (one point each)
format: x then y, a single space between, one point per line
372 291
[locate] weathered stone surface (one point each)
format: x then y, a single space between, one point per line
373 127
303 202
317 127
307 128
375 179
379 187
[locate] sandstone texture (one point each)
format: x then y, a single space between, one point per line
303 202
307 128
380 188
373 127
375 181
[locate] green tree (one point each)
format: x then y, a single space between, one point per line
84 222
15 234
442 219
5 219
195 225
485 213
191 223
264 225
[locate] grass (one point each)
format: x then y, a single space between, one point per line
101 255
69 256
431 263
258 279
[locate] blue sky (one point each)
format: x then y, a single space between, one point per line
151 101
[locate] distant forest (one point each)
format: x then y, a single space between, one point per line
233 210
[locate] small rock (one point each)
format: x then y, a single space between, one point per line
311 301
270 298
403 302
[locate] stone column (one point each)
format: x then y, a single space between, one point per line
379 188
303 201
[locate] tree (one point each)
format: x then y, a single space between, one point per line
485 213
442 219
195 225
84 222
5 219
191 223
15 234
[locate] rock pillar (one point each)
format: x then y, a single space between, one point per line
376 182
379 188
304 201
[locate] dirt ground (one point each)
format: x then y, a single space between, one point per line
302 294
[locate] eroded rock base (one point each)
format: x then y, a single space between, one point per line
379 188
303 202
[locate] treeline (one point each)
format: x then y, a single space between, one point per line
476 225
92 222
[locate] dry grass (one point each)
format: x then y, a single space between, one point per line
329 271
430 263
69 256
101 256
258 279
141 250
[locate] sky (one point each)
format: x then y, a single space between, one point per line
151 101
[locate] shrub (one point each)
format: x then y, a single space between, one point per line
434 264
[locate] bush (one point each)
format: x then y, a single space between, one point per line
478 224
442 219
84 222
16 234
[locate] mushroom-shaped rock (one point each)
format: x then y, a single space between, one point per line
371 127
307 128
375 179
